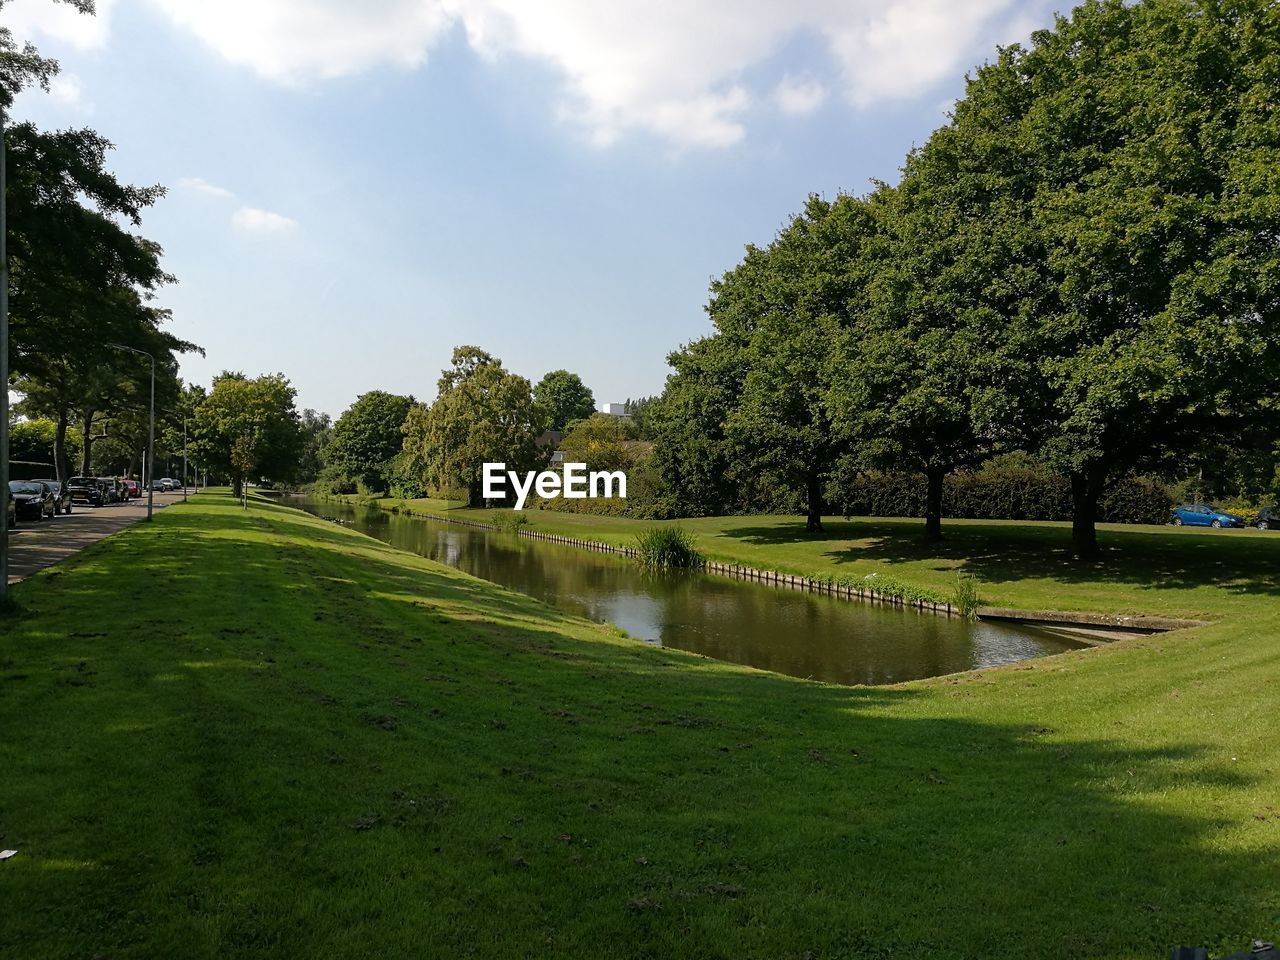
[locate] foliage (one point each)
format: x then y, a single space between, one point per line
510 521
248 428
640 411
80 281
1010 488
367 439
966 598
34 439
1109 192
600 441
668 548
317 431
482 413
564 399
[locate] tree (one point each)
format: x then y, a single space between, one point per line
1111 191
641 411
776 315
249 428
80 282
481 414
317 431
923 373
368 437
32 440
601 442
23 66
564 398
691 452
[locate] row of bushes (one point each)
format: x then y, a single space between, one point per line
1017 490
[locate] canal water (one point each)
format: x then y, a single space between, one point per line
790 632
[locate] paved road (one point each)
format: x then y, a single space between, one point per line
34 546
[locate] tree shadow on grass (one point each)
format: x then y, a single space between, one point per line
1001 552
404 757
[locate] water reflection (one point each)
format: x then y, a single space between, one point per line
789 632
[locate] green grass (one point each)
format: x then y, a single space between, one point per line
251 733
1153 570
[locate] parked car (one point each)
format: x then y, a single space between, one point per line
110 489
31 498
61 494
85 490
1268 519
169 483
132 489
1203 515
159 485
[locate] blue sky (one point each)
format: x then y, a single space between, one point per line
354 189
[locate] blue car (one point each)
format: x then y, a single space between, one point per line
1203 515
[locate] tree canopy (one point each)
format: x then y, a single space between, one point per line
248 428
368 437
482 413
563 398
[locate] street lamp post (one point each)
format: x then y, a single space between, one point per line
151 427
4 375
184 458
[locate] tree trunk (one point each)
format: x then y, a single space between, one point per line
1086 488
813 520
61 462
86 444
475 494
936 477
237 485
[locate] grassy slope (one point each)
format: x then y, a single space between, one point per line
240 734
1151 570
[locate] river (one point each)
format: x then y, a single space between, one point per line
801 634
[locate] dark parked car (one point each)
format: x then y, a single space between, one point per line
85 490
1203 515
31 498
110 489
1268 519
61 494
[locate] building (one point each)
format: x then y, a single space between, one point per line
615 409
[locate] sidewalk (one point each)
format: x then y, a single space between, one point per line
34 546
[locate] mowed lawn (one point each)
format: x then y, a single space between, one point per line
252 733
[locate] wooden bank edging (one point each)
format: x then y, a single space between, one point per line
734 571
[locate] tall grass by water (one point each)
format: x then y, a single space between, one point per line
668 548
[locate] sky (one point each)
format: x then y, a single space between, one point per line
354 189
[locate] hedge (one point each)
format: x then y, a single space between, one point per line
1019 491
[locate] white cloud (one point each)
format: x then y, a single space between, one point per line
797 96
253 220
41 19
671 68
67 90
293 41
201 185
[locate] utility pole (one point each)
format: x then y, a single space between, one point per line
4 371
150 462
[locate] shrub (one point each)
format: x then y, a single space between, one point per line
509 520
1007 488
966 598
668 548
